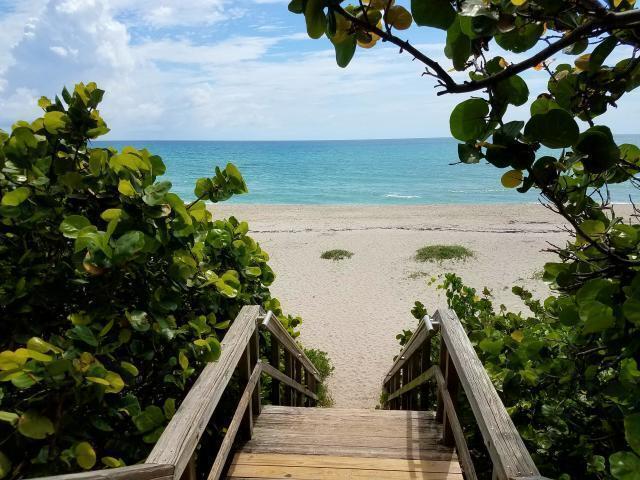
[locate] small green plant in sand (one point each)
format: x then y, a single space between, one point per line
337 254
322 362
432 253
417 275
538 274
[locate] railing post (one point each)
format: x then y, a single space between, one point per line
451 382
300 398
416 373
443 360
425 364
190 472
275 362
288 370
244 372
405 379
310 383
254 346
396 385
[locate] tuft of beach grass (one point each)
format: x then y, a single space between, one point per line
438 253
337 254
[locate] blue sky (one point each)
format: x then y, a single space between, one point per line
223 70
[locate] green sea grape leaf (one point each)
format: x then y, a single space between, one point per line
625 466
83 333
5 466
54 122
601 52
33 425
345 50
85 455
296 6
315 18
513 90
129 244
631 310
138 320
73 224
458 46
469 153
150 418
15 197
9 417
433 13
632 431
599 147
554 129
596 316
154 194
521 38
467 121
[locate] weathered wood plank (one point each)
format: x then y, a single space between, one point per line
340 438
232 430
456 429
436 453
313 473
275 362
269 370
333 461
506 448
272 324
345 412
245 369
134 472
181 436
399 432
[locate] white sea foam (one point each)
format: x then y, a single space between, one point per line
397 195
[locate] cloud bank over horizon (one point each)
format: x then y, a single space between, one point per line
222 70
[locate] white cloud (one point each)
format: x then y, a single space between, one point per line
241 87
167 13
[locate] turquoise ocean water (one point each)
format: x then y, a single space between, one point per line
385 172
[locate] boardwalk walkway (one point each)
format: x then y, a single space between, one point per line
316 443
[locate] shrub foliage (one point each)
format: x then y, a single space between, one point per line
583 343
113 292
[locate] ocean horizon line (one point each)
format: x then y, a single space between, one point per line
155 140
342 172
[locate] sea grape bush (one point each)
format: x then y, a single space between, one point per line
114 293
570 409
589 53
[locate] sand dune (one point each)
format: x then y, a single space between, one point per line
354 308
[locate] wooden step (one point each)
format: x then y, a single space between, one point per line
316 443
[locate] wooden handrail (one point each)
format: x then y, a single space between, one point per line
508 453
173 456
459 365
143 471
234 426
180 438
274 326
426 329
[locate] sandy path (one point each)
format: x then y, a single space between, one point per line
354 308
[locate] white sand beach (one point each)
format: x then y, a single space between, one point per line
354 308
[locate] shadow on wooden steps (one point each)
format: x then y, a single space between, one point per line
316 443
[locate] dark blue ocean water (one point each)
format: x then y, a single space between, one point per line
386 172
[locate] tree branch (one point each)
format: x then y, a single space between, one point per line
403 44
604 22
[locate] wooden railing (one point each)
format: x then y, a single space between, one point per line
174 455
406 388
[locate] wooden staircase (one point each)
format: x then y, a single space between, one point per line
321 443
285 437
